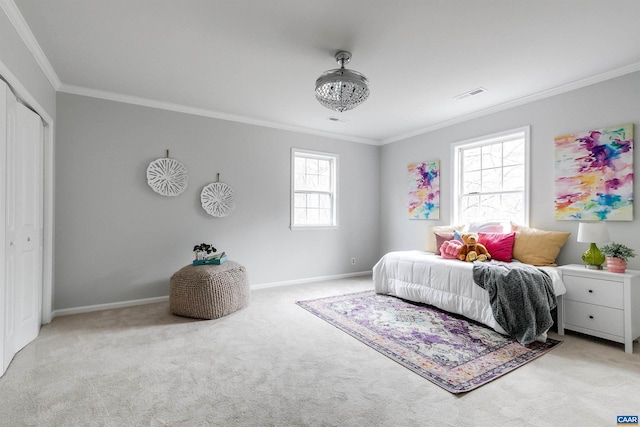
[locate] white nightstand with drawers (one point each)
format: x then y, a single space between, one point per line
600 303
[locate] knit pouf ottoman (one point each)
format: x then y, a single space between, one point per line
209 291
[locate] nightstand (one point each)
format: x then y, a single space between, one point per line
601 304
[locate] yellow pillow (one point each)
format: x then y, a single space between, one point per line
431 235
538 247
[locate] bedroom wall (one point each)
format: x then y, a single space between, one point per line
609 103
15 57
117 240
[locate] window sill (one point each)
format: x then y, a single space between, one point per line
312 227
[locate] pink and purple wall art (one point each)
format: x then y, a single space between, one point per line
424 190
594 175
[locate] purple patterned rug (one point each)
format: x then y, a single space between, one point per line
455 353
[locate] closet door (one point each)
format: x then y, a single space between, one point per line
3 241
25 215
22 194
9 104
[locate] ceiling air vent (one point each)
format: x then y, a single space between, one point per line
473 92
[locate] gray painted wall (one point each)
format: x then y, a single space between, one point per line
17 58
118 240
604 104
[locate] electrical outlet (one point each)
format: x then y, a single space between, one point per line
353 261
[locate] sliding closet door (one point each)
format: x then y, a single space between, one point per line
26 217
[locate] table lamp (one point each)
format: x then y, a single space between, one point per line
592 233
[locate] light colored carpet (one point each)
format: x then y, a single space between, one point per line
275 364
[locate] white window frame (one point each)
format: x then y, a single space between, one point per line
456 149
334 159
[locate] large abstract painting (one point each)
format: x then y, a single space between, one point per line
424 190
594 175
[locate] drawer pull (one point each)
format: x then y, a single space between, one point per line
590 317
590 291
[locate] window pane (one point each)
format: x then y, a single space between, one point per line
513 178
324 167
325 201
300 216
491 156
513 152
325 216
472 182
490 207
312 182
300 181
324 183
491 180
312 166
513 207
471 159
312 216
470 209
312 200
300 200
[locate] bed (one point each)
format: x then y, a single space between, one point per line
447 284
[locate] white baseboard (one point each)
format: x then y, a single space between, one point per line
309 280
109 306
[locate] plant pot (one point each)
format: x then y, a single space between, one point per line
616 265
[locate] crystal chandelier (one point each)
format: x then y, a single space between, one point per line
341 89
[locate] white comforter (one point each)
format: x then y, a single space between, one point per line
444 283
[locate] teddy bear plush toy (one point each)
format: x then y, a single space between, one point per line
472 250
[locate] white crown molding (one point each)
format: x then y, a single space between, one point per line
18 22
152 103
598 78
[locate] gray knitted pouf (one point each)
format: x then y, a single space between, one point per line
209 291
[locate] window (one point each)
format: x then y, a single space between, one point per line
313 198
491 178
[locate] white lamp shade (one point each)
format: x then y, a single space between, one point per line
593 232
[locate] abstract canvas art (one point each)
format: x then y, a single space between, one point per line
424 190
594 175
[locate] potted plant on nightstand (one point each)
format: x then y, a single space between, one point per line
617 256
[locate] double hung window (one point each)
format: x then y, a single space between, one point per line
314 189
491 178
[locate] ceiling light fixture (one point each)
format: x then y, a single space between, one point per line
341 89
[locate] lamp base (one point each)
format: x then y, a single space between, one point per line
593 258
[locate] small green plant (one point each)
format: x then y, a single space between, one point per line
618 250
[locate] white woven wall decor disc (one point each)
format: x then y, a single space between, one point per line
167 176
218 199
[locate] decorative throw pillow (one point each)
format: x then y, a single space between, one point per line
431 237
499 245
451 249
538 247
486 227
441 237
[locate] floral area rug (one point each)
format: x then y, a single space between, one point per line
455 353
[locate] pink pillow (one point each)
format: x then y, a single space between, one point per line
499 245
450 249
442 237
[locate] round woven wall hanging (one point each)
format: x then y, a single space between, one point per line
218 199
167 176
